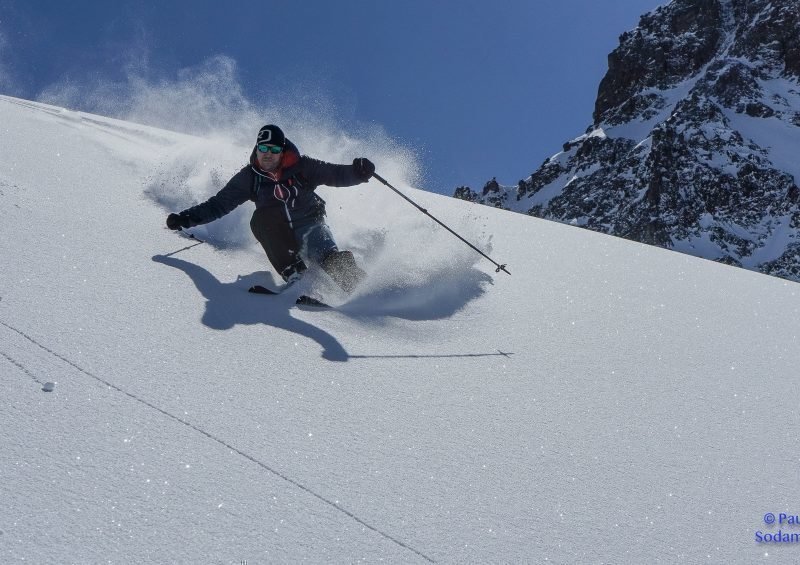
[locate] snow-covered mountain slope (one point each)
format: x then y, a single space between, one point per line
608 402
694 141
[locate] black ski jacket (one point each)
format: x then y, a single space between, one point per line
289 191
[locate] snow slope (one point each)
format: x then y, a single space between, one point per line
608 403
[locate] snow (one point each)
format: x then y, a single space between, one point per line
608 402
641 129
543 196
780 139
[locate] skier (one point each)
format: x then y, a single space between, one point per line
289 220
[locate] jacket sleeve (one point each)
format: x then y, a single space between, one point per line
319 172
233 194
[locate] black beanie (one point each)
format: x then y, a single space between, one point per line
271 135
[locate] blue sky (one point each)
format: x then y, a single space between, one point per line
477 89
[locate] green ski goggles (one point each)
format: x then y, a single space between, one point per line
274 149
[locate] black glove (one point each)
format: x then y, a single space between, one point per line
179 221
363 168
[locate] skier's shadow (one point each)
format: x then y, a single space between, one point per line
228 304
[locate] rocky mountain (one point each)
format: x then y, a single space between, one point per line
695 141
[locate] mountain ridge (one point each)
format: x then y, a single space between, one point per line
695 125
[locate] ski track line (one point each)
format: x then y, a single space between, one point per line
212 437
20 366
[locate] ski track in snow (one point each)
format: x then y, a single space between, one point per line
203 432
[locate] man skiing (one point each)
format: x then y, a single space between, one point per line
289 220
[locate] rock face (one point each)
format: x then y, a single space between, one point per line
695 144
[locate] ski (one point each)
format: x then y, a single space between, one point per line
305 300
302 300
258 289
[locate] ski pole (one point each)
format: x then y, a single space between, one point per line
188 236
424 211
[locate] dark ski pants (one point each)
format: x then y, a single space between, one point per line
286 247
272 231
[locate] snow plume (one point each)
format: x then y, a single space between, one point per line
415 269
405 252
201 99
208 102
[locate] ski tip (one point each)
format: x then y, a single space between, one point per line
258 289
305 300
